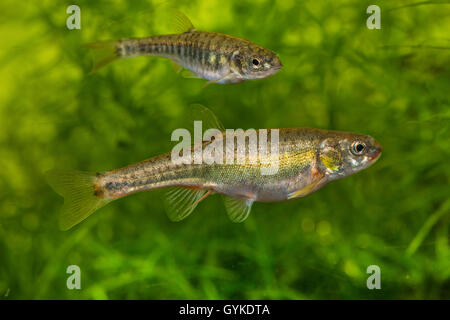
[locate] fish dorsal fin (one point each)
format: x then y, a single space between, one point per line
197 119
178 21
181 201
209 120
238 209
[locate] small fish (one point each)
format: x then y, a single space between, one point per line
307 160
216 57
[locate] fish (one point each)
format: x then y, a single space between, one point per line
218 58
307 159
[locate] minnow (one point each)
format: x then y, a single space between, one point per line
216 57
307 160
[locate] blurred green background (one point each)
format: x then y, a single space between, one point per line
392 83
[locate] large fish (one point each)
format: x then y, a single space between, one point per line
217 57
307 159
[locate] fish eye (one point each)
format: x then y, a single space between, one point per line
256 62
358 148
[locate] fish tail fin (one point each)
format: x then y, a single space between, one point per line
103 53
80 196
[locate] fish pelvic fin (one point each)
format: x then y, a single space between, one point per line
238 209
103 53
181 201
80 197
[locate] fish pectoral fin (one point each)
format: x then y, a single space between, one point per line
181 201
238 209
228 77
212 81
304 191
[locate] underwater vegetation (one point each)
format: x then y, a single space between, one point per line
391 84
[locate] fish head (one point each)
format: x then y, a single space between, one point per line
256 62
342 154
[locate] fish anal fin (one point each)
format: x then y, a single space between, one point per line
181 201
238 209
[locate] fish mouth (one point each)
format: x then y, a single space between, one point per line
375 157
278 66
274 69
376 152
